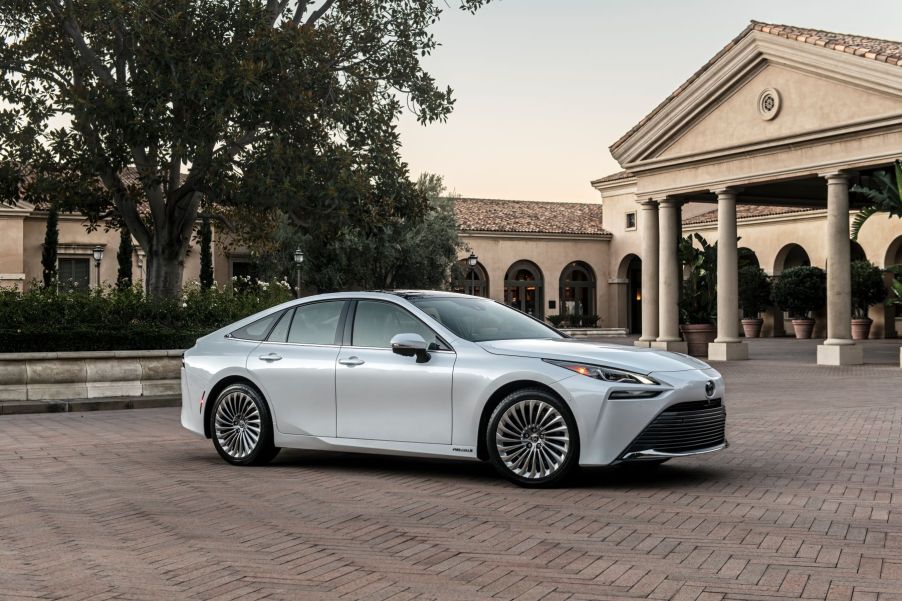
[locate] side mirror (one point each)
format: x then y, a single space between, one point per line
410 345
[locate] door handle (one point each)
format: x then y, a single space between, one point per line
352 361
270 357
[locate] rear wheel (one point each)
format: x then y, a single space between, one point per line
242 427
532 438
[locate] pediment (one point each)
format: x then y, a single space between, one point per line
818 92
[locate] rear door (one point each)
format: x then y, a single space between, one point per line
296 366
384 396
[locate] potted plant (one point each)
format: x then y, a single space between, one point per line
698 299
800 291
754 296
867 290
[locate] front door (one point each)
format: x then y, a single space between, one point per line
296 366
384 396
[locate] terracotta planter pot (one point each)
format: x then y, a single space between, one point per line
697 337
752 327
803 328
861 328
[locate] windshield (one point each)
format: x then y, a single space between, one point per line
479 319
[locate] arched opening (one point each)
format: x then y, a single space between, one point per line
471 280
630 270
893 253
524 288
791 255
577 290
856 253
747 257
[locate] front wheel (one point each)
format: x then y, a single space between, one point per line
242 427
532 438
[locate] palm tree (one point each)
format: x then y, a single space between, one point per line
885 197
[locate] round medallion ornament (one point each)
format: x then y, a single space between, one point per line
769 104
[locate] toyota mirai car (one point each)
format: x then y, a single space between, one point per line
438 374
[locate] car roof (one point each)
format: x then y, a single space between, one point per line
405 294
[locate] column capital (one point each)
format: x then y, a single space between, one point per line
726 191
836 176
648 203
670 201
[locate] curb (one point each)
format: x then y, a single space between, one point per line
81 405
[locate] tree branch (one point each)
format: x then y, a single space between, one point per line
85 53
315 15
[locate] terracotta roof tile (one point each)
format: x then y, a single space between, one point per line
745 212
884 51
524 216
614 177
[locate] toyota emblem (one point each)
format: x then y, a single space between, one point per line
709 389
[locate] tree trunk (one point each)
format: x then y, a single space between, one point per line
164 272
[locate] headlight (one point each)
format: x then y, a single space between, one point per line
605 374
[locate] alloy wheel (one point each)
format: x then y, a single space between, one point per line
237 424
532 439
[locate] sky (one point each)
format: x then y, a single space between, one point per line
543 88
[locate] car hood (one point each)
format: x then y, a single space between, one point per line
636 359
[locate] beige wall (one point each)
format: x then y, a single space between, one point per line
497 252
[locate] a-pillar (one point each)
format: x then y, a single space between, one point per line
670 213
727 346
838 348
648 222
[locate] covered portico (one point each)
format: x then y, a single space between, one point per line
781 116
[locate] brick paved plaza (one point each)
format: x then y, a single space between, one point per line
806 503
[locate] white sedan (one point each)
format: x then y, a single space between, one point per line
436 374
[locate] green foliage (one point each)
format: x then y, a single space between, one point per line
125 319
884 197
267 104
754 291
557 320
124 259
206 253
406 251
51 244
868 288
801 290
698 293
565 320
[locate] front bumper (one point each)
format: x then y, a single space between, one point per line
609 428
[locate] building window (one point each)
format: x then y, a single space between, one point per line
631 221
244 273
523 288
577 291
473 281
74 274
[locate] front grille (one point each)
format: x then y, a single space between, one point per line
684 427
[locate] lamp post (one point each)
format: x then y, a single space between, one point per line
471 261
97 253
298 259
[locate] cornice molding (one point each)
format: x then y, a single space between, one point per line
533 235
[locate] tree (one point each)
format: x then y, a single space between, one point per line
51 243
264 103
884 197
124 259
754 291
867 288
414 250
698 293
206 252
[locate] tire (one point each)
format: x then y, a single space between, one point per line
241 426
532 438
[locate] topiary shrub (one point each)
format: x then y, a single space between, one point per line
754 291
801 290
867 288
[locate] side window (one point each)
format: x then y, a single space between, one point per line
280 332
376 323
258 329
316 323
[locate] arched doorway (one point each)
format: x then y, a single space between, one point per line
630 271
791 255
893 253
856 253
472 280
577 289
524 288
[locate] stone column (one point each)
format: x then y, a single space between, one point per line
838 348
648 222
670 277
727 346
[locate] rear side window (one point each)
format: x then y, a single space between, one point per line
316 323
258 329
280 332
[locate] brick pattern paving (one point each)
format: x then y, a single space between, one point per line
806 504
